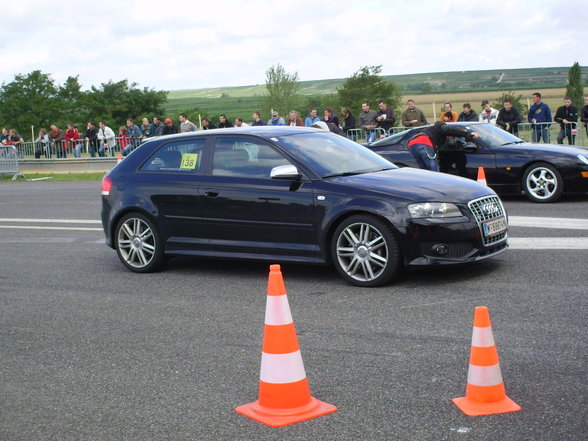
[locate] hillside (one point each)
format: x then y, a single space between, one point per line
244 99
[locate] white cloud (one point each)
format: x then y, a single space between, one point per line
230 43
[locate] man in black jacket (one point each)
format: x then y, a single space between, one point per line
424 145
509 118
170 128
565 116
385 116
468 113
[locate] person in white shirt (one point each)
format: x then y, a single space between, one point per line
239 123
186 125
106 139
488 114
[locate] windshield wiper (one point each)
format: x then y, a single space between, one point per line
350 173
510 143
357 172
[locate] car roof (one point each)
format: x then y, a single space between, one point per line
263 131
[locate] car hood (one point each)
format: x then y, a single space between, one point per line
417 185
551 148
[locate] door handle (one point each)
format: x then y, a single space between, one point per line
211 193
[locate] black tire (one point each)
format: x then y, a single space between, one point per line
542 183
365 251
138 243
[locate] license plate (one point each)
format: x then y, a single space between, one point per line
494 226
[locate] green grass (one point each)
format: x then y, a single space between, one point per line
42 177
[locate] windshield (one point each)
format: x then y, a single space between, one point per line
333 155
492 135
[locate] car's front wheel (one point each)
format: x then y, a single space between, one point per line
542 183
138 243
365 251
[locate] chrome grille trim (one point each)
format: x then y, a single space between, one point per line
485 209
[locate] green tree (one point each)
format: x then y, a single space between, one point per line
367 85
30 100
283 90
574 89
114 102
71 101
517 103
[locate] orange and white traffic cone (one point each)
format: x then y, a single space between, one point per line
284 394
119 158
482 176
485 394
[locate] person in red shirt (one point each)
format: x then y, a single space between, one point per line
424 144
72 142
123 138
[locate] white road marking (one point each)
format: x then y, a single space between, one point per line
34 227
52 221
40 240
548 243
516 243
548 222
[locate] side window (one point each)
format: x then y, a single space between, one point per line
176 157
245 158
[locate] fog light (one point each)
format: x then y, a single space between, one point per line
440 249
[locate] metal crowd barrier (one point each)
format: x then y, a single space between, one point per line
529 132
9 162
66 149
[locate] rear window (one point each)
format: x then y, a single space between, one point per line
176 157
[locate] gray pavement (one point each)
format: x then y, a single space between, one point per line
91 351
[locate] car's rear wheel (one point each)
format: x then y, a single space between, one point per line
365 251
542 183
138 243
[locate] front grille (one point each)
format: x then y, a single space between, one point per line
487 209
459 249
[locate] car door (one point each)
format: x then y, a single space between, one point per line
464 159
173 169
248 213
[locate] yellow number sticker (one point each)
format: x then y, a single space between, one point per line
189 161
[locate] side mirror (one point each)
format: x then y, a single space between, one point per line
285 172
470 145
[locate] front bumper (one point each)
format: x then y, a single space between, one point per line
459 240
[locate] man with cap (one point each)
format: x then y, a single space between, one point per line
276 120
488 114
170 128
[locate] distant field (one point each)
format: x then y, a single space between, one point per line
455 87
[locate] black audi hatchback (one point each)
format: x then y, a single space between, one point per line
292 194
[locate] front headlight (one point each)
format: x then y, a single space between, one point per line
583 158
433 209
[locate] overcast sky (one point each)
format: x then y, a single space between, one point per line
202 44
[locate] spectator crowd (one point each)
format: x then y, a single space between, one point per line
101 140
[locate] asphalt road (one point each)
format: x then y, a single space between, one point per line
90 351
